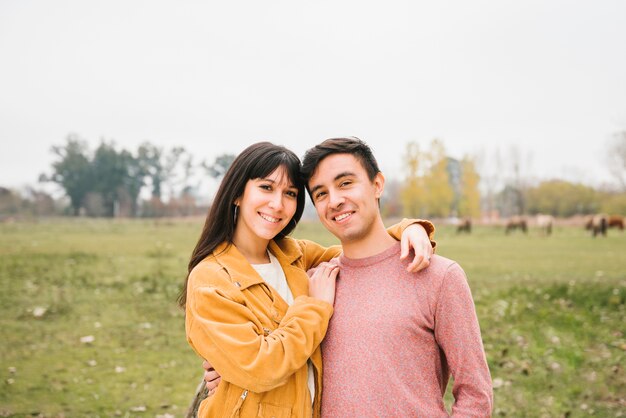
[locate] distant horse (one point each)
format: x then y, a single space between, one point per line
598 225
516 222
465 225
545 223
615 221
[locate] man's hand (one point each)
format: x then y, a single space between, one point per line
415 237
211 377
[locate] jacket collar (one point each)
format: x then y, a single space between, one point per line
286 250
241 271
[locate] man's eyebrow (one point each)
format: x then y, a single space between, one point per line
337 177
344 174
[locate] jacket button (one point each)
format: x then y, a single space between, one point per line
237 284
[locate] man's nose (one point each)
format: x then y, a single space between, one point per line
336 199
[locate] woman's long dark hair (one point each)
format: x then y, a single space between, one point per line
256 161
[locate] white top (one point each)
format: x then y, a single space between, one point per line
274 276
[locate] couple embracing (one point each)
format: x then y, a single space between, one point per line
388 328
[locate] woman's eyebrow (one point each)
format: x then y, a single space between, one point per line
291 185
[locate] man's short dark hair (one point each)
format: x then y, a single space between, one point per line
348 145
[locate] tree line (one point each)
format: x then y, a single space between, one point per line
152 181
108 181
437 185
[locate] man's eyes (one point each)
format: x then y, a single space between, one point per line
319 195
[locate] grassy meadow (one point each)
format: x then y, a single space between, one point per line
89 324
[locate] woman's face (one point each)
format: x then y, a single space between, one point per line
266 206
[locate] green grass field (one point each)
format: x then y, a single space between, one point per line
89 324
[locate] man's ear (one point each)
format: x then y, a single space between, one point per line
379 184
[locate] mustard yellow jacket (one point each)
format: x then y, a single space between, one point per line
258 343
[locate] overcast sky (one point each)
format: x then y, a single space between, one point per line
549 76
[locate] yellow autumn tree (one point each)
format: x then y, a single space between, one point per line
412 191
438 193
469 202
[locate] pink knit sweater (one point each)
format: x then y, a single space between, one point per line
395 338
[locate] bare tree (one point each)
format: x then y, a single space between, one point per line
220 165
517 180
490 169
616 158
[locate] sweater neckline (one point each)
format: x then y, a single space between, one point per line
373 259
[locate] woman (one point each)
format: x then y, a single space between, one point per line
251 309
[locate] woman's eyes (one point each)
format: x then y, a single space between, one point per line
269 188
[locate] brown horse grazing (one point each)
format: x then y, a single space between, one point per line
465 225
615 221
598 225
516 222
545 223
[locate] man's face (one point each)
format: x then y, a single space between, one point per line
345 198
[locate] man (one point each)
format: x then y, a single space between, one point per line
395 337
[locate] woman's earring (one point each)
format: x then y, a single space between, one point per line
235 216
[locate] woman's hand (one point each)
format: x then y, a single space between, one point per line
211 377
415 237
322 282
